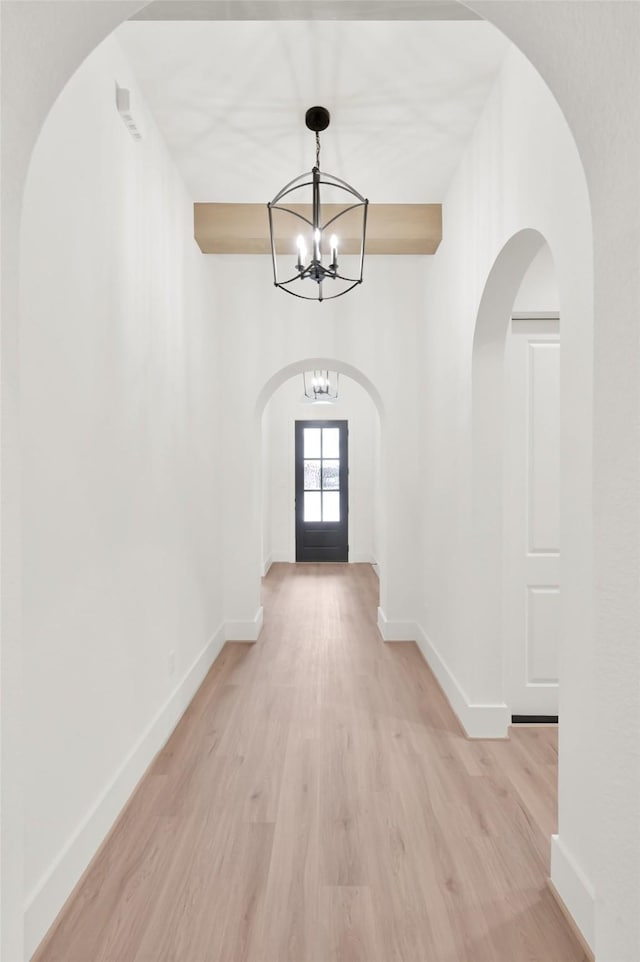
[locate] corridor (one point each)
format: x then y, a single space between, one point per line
319 803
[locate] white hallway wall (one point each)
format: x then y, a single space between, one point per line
121 561
538 292
287 406
521 171
402 603
264 330
43 43
587 53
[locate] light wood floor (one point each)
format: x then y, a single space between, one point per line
318 803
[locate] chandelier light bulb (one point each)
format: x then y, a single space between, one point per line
302 251
334 251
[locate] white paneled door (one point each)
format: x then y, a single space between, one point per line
531 516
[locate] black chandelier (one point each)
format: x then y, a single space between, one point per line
315 224
320 387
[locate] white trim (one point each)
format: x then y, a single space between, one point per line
535 316
49 895
478 721
276 557
244 630
283 557
395 630
574 888
332 10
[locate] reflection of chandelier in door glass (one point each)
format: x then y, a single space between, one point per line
320 387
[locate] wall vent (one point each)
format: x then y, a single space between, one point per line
123 103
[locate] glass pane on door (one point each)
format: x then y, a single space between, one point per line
312 506
311 475
330 475
330 443
312 443
330 505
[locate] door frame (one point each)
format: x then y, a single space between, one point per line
299 426
528 572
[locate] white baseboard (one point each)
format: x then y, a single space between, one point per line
284 557
277 557
45 901
478 721
244 630
396 630
574 889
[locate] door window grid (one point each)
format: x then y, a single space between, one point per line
321 474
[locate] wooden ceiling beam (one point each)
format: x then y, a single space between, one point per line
391 229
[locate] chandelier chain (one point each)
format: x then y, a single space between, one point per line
318 150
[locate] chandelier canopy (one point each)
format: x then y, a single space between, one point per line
325 238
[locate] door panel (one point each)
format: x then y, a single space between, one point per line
531 532
322 498
543 615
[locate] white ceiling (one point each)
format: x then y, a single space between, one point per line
230 98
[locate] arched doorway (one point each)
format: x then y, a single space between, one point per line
488 400
89 44
359 403
531 568
516 484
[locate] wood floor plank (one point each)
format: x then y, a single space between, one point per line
347 925
319 802
289 921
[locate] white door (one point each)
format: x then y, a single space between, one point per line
531 516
